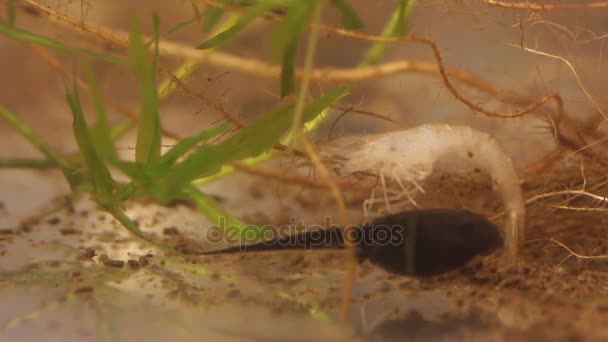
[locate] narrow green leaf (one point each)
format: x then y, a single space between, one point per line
254 12
102 181
247 142
180 26
288 69
101 132
323 102
156 32
293 23
122 217
405 10
211 16
26 131
73 176
25 36
285 40
228 224
394 27
167 87
148 145
350 18
186 144
12 13
134 170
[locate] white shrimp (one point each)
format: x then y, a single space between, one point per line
411 155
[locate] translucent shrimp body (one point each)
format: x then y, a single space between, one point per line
411 155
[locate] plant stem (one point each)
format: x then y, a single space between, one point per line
309 59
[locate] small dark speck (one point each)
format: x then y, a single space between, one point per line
88 253
470 154
256 193
111 262
393 148
218 198
7 231
181 202
476 170
74 274
143 261
84 289
31 10
53 220
69 231
171 231
52 263
134 264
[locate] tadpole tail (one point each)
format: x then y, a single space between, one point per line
330 238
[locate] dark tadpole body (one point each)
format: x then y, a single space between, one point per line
417 243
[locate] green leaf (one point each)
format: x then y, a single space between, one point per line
186 144
228 224
405 10
148 145
12 13
25 36
323 102
396 26
180 26
248 142
132 169
350 18
285 40
156 32
288 69
254 12
211 16
126 222
105 190
292 25
102 181
101 131
72 175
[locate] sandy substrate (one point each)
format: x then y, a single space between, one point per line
57 283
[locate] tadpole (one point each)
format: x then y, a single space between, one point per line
420 243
